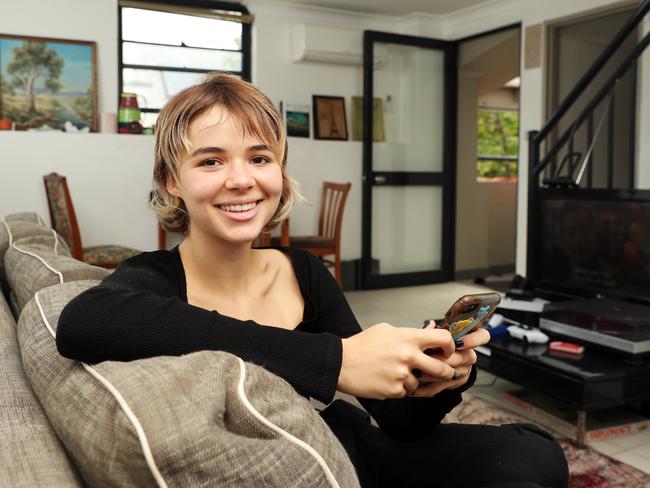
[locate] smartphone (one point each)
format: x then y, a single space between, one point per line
469 312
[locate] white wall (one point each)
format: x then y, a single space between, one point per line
472 233
485 211
109 178
502 216
643 114
124 166
503 99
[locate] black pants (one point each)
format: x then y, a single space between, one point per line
454 455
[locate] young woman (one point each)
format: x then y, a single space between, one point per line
220 177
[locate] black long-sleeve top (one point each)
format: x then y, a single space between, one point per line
141 311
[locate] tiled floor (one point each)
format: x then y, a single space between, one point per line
409 307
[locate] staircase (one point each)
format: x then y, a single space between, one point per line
571 160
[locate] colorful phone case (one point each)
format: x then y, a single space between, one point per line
469 312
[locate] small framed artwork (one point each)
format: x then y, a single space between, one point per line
297 118
329 118
377 119
48 84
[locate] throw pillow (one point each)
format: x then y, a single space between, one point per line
16 226
31 453
39 261
204 419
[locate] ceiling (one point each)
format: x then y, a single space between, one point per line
393 7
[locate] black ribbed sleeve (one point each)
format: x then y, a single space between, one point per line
405 418
137 312
141 311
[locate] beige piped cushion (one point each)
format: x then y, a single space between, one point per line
176 421
16 226
31 453
35 262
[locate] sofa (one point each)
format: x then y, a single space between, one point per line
203 419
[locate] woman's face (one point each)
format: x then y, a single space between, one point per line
231 183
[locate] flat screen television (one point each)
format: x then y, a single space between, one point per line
594 243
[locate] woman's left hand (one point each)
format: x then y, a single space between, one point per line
462 360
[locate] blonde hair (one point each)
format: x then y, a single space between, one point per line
243 101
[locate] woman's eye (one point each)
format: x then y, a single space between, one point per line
210 162
257 160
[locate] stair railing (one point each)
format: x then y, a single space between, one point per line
537 138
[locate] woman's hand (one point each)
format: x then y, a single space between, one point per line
478 337
462 360
379 362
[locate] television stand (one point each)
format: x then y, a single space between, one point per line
613 324
597 380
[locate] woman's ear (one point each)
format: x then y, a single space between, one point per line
172 186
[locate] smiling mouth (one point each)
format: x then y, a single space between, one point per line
239 207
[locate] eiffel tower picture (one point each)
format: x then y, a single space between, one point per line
329 118
334 131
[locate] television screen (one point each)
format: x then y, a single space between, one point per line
596 246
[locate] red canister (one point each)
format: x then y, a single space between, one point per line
128 116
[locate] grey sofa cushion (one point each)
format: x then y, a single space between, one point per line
30 453
16 226
204 419
26 217
33 263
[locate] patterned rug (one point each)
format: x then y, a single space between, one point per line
588 468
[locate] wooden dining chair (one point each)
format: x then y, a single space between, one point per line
263 240
64 222
328 240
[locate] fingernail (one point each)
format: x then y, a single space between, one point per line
426 323
456 376
459 343
417 373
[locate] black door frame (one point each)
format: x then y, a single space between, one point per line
450 140
446 178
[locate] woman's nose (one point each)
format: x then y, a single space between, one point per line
239 177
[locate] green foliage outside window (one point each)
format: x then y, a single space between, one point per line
497 143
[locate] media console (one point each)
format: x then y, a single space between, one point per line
596 380
612 324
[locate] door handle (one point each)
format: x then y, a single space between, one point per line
380 180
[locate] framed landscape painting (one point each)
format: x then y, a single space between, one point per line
297 117
48 83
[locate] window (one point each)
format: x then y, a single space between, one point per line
166 46
497 145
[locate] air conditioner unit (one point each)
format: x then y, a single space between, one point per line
320 44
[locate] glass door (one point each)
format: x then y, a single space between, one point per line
408 160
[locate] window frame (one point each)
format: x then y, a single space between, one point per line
206 4
501 158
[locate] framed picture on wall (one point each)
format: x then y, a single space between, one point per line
329 118
377 119
297 118
48 83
